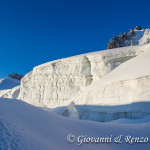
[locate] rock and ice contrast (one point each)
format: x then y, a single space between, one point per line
105 78
111 85
15 76
137 36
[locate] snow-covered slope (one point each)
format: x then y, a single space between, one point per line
8 83
55 82
141 37
123 93
9 87
25 127
12 93
129 82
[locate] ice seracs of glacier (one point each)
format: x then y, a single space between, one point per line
54 83
71 111
123 93
128 83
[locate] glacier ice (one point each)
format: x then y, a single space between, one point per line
54 83
105 78
128 83
106 113
71 111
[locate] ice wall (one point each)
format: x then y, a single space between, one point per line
128 83
105 113
53 83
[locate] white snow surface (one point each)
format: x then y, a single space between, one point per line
26 127
8 83
54 83
9 87
12 93
141 37
128 83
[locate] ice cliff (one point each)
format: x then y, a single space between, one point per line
123 93
104 85
128 83
53 83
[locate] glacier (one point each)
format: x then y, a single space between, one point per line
71 111
128 83
54 83
123 93
104 85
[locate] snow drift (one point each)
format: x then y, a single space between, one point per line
9 87
23 126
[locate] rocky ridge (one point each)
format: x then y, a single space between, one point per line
129 39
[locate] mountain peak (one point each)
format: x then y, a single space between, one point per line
137 36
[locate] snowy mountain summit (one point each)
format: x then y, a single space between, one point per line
137 36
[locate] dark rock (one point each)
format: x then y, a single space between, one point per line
113 43
16 76
115 37
137 28
121 35
132 33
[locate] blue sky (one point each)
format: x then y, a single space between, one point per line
33 32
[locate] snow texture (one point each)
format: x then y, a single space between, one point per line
54 83
128 83
26 127
9 87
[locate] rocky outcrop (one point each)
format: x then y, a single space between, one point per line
15 76
134 37
137 28
119 41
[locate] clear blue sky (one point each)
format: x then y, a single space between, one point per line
33 32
